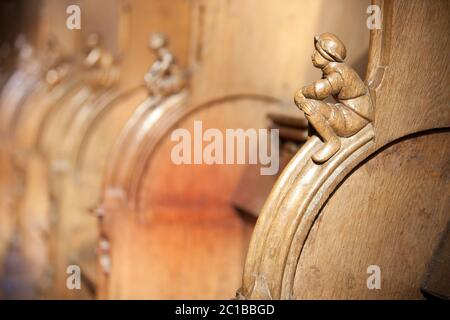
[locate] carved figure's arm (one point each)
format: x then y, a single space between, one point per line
320 89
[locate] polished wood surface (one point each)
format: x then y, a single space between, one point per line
87 125
304 195
143 184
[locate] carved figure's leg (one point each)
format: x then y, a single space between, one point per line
317 113
152 87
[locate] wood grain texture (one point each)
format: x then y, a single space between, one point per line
77 189
185 226
163 192
390 212
436 280
294 206
85 147
422 65
6 206
237 40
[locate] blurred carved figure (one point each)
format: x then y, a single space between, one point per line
353 110
56 66
26 53
164 76
102 70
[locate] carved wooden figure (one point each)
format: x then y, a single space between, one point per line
373 197
164 77
172 222
354 109
83 152
162 225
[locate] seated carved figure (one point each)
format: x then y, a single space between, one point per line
100 67
353 110
164 77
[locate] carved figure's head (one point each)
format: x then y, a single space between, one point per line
157 41
328 48
93 41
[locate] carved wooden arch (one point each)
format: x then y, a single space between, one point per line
410 97
27 121
77 95
76 154
96 85
85 123
142 135
36 87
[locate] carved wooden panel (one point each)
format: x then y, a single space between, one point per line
402 90
146 196
85 154
184 225
238 41
387 213
76 138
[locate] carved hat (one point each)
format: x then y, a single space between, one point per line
330 47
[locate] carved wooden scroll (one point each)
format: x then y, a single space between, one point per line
290 256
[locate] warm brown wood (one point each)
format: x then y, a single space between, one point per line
316 235
436 281
353 109
389 220
37 158
254 188
265 60
6 207
79 155
24 123
78 185
23 83
150 203
204 229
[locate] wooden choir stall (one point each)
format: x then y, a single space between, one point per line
225 149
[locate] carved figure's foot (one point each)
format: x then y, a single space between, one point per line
327 151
